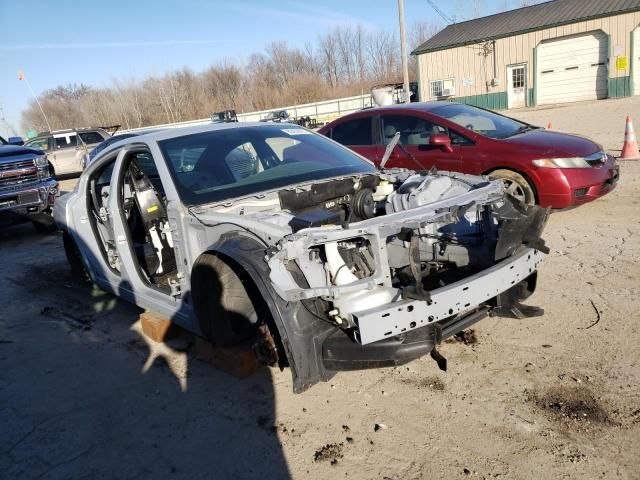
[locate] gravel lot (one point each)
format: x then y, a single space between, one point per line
83 394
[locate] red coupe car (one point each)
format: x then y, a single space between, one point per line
548 168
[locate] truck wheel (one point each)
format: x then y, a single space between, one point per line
516 185
225 300
44 223
78 270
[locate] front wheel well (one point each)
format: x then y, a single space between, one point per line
519 172
221 287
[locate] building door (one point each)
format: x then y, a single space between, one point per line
572 69
635 61
517 86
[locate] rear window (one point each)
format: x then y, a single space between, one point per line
353 132
66 141
90 137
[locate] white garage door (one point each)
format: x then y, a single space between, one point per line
571 69
635 61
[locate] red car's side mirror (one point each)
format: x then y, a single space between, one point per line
442 141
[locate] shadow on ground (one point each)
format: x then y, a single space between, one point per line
77 402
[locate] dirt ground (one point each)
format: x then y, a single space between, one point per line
83 394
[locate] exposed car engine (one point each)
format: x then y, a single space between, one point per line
420 242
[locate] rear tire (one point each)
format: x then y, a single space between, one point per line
226 301
516 185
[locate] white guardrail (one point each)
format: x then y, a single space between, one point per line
323 112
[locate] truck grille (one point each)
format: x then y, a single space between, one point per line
15 173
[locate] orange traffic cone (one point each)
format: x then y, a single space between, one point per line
630 146
549 127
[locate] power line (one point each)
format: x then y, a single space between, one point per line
440 12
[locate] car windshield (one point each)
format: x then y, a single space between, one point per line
3 141
481 121
216 165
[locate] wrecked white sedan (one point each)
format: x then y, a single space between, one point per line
275 237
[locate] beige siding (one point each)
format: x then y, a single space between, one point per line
468 61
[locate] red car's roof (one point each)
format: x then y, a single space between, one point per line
417 107
422 106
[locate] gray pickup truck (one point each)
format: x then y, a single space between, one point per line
27 190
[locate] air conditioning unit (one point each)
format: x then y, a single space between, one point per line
449 92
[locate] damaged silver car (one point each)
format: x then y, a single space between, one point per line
279 239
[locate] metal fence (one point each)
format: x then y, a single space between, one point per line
321 112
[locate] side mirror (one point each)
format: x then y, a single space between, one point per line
15 141
442 141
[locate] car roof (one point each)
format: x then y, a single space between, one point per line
71 131
417 106
167 133
402 107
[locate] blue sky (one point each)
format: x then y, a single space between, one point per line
65 41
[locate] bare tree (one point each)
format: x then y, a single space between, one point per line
328 47
343 61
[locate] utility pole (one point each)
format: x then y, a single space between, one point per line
403 49
22 77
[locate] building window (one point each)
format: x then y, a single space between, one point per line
517 77
442 88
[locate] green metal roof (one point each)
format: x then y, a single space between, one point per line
523 20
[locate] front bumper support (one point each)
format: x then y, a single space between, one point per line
403 316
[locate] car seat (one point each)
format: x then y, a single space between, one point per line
389 133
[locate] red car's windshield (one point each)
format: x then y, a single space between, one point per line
484 122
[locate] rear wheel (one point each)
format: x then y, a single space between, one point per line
516 185
226 302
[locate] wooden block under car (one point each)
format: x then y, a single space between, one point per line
157 328
237 361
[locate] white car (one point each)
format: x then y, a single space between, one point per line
66 149
273 236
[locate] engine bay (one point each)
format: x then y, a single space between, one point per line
358 244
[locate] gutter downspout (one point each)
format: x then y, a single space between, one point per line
495 66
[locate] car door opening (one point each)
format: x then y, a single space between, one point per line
145 209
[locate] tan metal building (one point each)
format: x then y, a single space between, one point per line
554 52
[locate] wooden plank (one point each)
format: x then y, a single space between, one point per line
157 328
237 361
